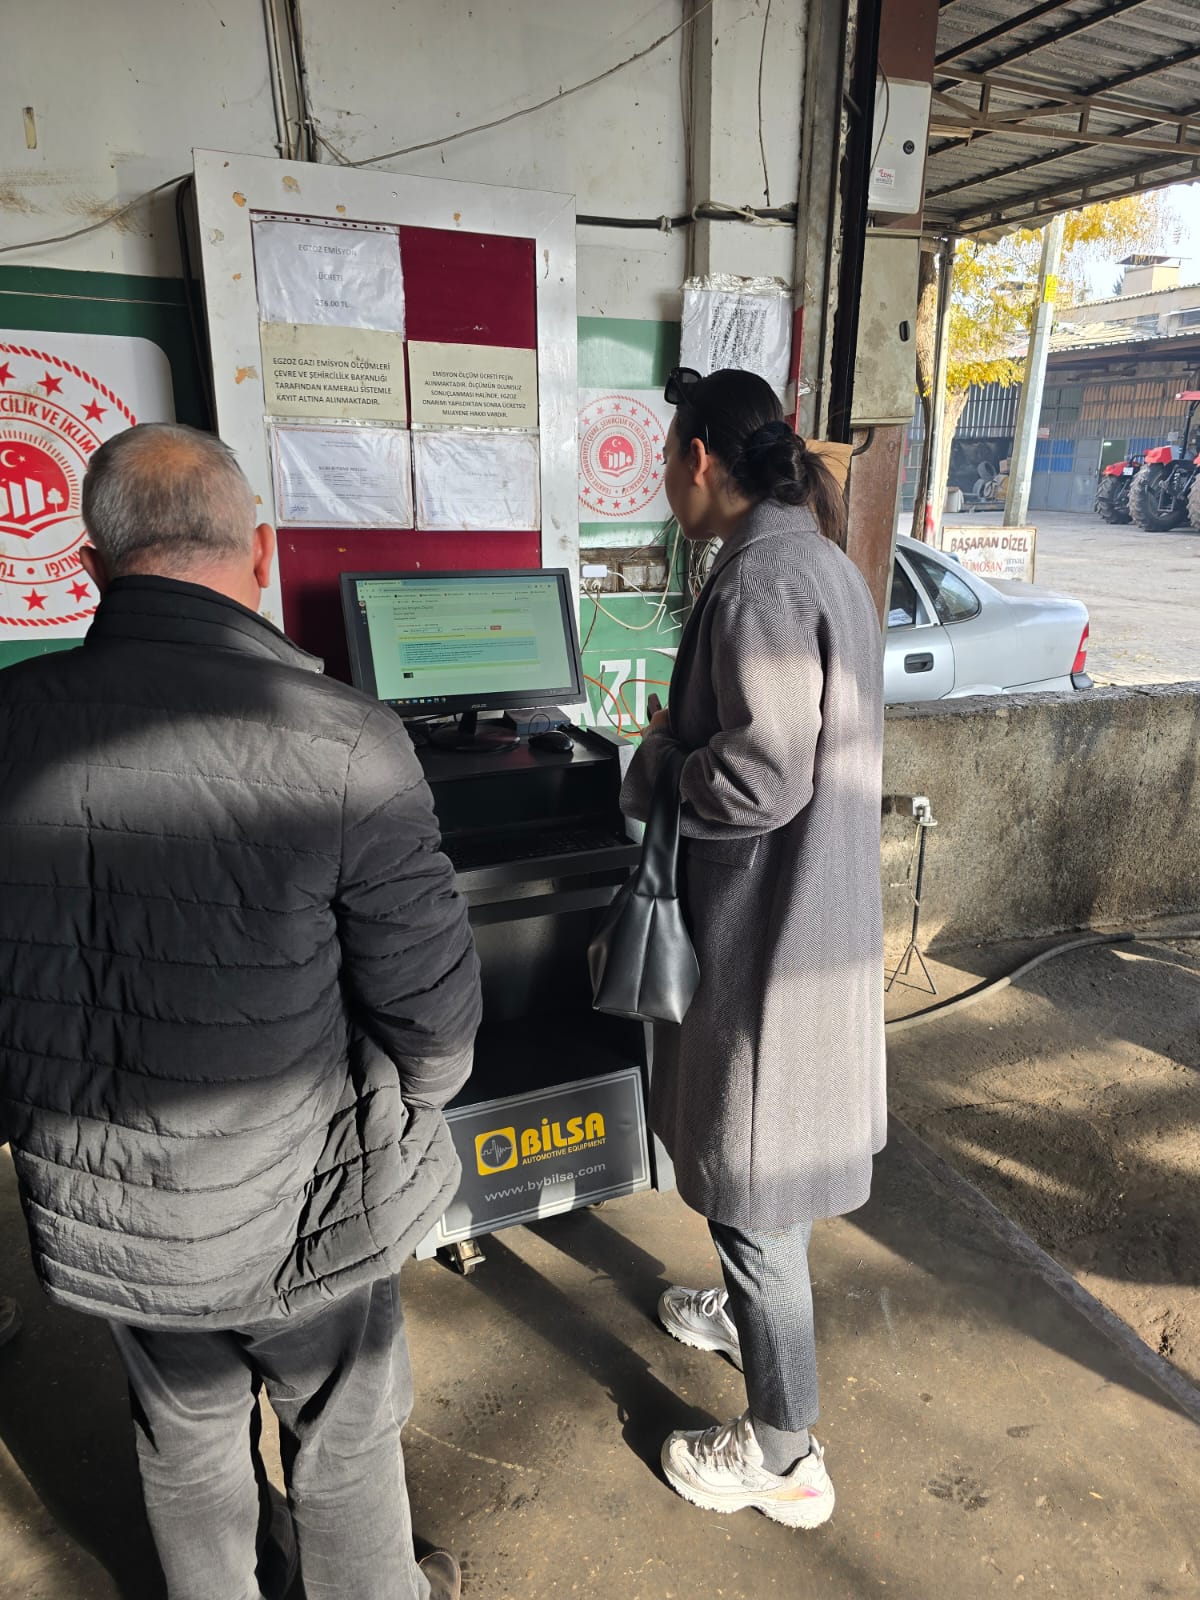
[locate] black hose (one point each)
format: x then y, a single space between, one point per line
705 212
994 985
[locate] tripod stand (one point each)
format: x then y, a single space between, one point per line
923 812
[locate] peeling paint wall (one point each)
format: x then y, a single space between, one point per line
120 94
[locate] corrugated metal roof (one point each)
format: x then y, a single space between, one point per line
1064 103
1097 335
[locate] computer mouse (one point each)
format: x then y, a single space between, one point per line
552 739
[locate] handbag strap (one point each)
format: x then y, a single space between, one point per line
657 874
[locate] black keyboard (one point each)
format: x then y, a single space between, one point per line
491 850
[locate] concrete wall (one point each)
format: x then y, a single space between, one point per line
1054 811
120 94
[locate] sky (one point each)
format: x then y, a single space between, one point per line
1181 203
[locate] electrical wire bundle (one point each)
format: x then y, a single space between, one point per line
591 591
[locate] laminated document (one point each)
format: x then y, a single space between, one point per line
351 374
477 481
738 322
342 477
331 275
472 385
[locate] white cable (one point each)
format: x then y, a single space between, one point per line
102 222
593 593
632 627
742 213
629 583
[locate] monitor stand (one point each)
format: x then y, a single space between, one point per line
468 737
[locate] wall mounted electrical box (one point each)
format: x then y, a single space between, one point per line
899 135
885 366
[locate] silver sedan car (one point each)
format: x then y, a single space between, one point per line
951 633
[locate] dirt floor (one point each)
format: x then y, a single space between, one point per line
1072 1099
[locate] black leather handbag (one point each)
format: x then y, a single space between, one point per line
642 961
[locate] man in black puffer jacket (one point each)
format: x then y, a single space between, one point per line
236 989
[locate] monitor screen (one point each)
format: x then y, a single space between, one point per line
458 641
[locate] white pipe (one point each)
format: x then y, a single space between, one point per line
283 138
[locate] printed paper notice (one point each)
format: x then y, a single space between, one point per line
343 477
472 385
477 481
334 276
351 374
744 327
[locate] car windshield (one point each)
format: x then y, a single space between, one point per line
953 598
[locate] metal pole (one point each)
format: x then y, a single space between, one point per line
855 178
1020 472
823 130
916 921
935 486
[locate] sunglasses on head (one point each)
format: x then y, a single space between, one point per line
680 384
680 391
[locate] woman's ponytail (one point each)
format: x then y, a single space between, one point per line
740 419
776 464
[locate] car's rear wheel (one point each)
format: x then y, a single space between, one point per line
1193 505
1153 502
1111 504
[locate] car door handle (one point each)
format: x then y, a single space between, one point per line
919 663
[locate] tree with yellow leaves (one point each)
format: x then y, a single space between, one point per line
993 291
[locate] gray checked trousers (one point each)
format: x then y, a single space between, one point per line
770 1301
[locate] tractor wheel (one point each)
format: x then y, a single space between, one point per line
1107 508
1152 505
1194 502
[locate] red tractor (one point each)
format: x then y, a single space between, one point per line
1161 495
1112 491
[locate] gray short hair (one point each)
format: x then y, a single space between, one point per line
166 498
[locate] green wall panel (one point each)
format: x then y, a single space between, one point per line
633 642
620 350
48 300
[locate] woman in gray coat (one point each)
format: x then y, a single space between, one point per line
770 1096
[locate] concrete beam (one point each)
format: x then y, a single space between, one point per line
738 158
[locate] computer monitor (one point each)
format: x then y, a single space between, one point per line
457 643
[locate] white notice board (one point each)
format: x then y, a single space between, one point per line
333 316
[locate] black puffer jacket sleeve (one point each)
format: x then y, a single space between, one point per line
409 968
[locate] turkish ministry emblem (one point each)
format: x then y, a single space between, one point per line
61 396
621 438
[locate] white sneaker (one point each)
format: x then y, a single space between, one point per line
698 1317
722 1469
